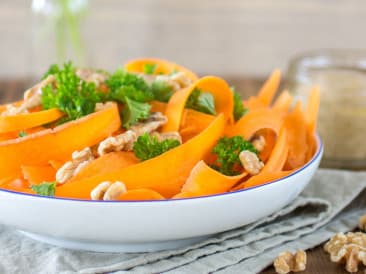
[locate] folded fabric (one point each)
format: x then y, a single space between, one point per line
332 202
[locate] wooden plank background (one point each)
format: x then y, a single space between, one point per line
232 37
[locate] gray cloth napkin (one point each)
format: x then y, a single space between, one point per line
331 203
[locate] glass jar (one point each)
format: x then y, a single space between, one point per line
57 34
341 76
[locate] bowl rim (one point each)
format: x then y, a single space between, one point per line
316 155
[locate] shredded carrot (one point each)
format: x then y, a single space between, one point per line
140 194
224 102
162 67
312 109
33 147
204 180
39 174
283 102
57 143
165 173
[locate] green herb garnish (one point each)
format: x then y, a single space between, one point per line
147 146
149 68
228 150
239 109
134 111
53 69
75 97
22 133
201 101
162 90
45 189
123 84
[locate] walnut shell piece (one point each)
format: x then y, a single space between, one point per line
287 262
348 249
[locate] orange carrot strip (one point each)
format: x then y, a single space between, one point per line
140 195
278 155
312 109
165 173
255 120
28 120
270 140
157 106
110 162
296 138
56 164
204 180
38 174
57 143
266 93
17 185
162 67
193 122
283 102
224 101
268 90
261 179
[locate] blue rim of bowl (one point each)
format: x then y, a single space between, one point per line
315 157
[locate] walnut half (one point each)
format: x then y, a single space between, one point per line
348 249
287 262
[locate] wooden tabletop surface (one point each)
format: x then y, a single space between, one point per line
318 260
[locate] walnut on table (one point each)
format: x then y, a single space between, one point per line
287 262
348 249
362 223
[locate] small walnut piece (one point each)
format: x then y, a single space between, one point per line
250 161
91 76
114 191
98 192
32 98
101 106
362 223
155 120
177 80
79 160
108 191
259 143
167 135
287 262
347 248
125 140
120 142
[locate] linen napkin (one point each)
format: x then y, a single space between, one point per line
332 202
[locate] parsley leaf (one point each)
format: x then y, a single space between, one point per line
149 68
45 189
123 84
162 90
70 94
22 133
147 146
228 150
239 109
201 101
134 111
53 69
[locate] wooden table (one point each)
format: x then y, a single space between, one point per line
318 260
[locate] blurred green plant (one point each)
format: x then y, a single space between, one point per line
64 19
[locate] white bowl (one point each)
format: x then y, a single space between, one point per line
147 225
